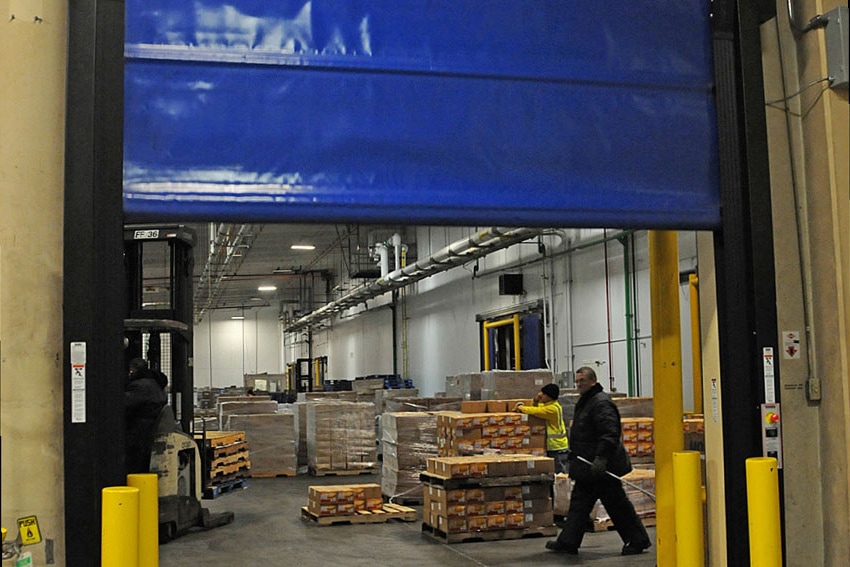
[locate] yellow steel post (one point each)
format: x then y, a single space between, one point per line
148 485
667 383
763 512
517 349
696 341
687 492
119 545
486 346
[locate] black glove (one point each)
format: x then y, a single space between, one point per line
599 465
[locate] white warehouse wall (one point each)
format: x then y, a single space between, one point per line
443 336
226 349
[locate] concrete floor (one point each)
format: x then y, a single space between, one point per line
268 530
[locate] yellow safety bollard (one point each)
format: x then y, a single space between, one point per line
763 512
687 491
119 534
148 486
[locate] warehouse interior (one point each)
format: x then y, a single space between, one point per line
577 277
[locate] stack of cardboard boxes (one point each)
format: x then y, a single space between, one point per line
274 440
497 384
344 500
341 437
501 496
409 440
502 432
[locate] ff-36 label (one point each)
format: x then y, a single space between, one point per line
145 234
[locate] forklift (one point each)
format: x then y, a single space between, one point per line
159 329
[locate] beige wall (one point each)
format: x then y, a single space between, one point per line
32 114
808 144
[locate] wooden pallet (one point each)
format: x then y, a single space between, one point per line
227 450
489 535
604 525
216 490
406 500
273 474
608 525
345 472
217 439
389 512
241 457
224 470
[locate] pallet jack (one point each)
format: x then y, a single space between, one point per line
175 456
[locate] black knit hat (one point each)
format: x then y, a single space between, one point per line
138 363
551 390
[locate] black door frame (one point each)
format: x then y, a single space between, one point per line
94 304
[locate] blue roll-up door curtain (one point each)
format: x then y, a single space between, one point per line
523 113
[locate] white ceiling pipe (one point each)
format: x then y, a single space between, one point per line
459 252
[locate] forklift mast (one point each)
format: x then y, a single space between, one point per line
158 260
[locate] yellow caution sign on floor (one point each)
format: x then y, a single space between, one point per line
28 528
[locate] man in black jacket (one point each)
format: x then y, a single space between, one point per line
596 435
144 397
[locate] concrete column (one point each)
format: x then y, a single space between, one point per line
33 40
808 135
715 486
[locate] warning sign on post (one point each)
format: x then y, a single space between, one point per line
791 345
28 528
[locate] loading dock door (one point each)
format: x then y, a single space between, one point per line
533 112
524 113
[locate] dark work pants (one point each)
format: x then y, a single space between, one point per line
562 463
619 508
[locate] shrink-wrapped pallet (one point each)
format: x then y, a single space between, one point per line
341 437
273 439
409 439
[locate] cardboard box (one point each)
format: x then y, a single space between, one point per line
535 491
452 525
464 386
514 520
539 519
496 522
512 384
473 406
495 507
537 505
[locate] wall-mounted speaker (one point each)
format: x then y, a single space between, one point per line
510 284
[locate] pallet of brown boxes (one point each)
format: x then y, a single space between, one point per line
488 497
352 504
486 427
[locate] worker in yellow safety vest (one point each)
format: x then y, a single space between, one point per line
546 406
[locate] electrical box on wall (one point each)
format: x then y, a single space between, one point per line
510 284
837 47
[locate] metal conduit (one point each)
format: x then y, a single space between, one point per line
222 251
459 252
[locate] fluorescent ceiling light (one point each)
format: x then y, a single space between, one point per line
267 288
237 317
302 247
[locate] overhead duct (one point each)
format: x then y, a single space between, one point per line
459 252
